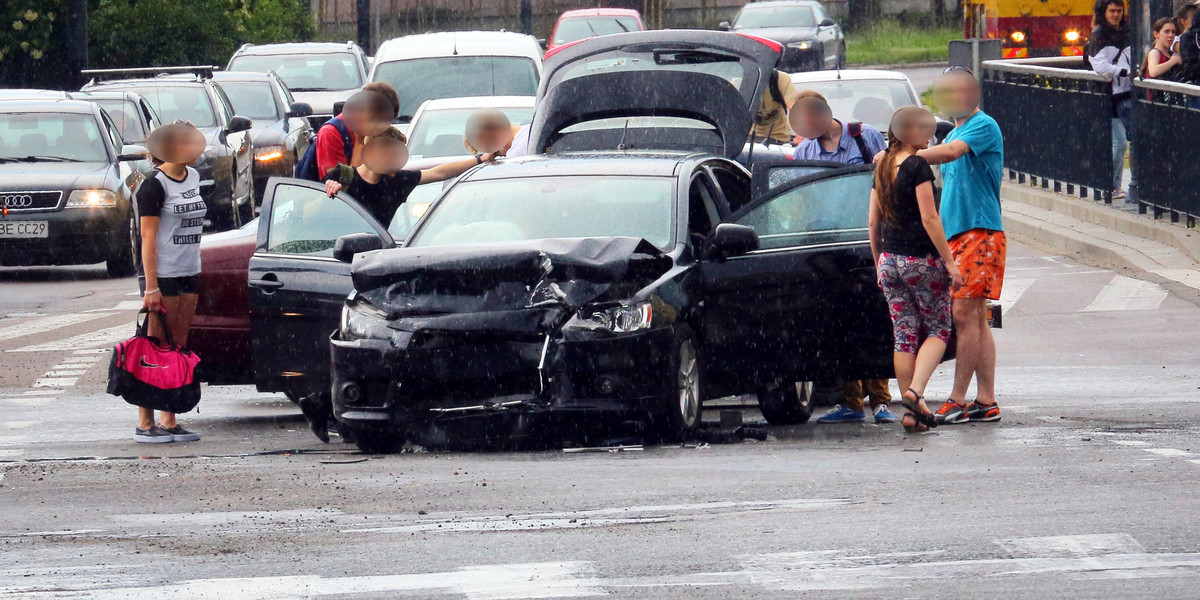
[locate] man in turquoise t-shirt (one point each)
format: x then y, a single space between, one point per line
972 160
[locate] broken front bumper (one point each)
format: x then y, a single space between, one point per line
446 376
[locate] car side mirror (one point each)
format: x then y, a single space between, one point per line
943 129
733 240
337 107
238 124
348 245
300 109
542 43
827 22
132 152
724 26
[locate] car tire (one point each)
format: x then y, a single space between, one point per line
788 404
377 442
683 401
123 263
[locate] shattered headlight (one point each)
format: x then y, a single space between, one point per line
622 318
360 320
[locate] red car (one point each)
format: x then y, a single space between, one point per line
575 25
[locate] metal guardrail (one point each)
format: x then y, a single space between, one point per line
1165 115
1056 122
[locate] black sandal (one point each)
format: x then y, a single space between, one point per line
924 418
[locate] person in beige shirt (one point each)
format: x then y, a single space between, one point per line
771 122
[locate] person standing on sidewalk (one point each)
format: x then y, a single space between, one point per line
916 268
1109 54
826 138
973 160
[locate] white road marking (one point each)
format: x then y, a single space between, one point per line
19 424
30 401
1127 293
1130 443
102 337
42 392
65 373
11 453
121 306
1195 462
86 358
1012 291
55 382
44 325
1167 452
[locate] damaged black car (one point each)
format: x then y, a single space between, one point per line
626 272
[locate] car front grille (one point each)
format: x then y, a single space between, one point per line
27 201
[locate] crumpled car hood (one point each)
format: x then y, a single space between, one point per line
503 277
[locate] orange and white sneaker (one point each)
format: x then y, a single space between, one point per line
951 412
984 413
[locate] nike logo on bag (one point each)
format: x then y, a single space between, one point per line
149 365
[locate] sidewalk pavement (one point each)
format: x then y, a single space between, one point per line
1100 234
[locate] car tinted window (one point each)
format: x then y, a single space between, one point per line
440 132
307 221
552 207
127 117
825 211
458 77
306 72
775 16
735 188
570 30
871 101
252 99
191 103
51 137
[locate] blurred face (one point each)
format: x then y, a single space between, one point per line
488 130
956 93
913 126
367 113
1166 36
1113 14
810 118
385 155
176 143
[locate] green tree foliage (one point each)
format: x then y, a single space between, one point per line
27 38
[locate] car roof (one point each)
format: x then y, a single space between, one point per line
600 12
645 164
459 43
243 76
105 95
31 93
783 3
180 81
480 102
848 75
47 106
296 48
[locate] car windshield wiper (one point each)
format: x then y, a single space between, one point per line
12 159
310 89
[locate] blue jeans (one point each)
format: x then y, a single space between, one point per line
1120 143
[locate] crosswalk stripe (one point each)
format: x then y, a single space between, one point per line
90 340
1012 291
45 324
1127 293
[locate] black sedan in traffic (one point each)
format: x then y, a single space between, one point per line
811 39
628 272
65 195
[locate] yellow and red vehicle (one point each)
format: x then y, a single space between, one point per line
1031 28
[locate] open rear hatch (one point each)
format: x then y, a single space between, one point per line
653 90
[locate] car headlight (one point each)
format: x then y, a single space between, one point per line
360 320
268 153
622 318
805 45
92 199
1018 37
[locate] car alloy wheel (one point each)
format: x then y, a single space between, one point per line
689 385
788 404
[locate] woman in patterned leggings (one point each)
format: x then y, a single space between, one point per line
915 267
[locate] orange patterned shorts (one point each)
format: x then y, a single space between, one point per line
980 256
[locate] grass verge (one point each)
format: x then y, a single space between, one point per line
891 43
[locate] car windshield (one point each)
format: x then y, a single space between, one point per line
530 208
580 28
440 132
753 16
127 117
51 137
870 101
335 71
457 77
252 99
191 103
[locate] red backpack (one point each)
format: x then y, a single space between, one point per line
145 373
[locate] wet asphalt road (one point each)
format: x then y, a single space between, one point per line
1085 489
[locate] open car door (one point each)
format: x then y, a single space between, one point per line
297 288
804 306
653 90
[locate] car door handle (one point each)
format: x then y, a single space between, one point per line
266 284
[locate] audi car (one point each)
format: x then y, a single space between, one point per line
65 186
811 39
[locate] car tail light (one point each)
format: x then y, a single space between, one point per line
772 44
